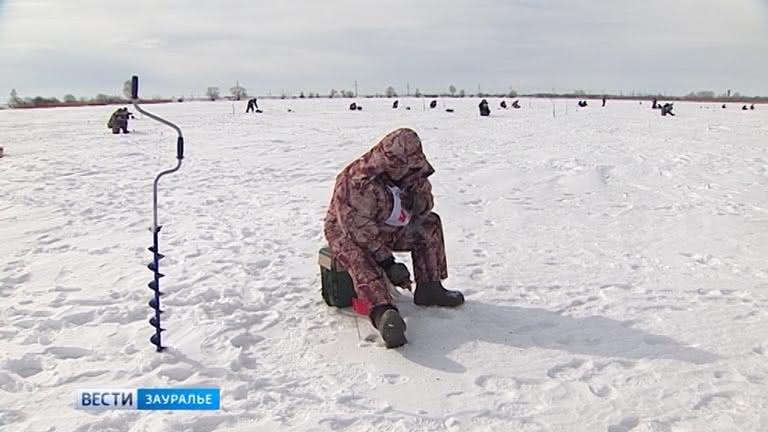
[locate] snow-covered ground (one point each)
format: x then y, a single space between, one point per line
615 265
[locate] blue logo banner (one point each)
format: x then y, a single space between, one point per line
167 399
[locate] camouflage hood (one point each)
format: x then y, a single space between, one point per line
398 157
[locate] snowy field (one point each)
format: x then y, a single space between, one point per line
615 265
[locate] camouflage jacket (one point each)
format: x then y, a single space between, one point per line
361 200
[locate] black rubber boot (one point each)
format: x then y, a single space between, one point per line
433 294
387 320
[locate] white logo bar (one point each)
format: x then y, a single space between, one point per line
106 399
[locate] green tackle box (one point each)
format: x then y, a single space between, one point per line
337 287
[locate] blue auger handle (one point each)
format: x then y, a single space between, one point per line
134 87
135 97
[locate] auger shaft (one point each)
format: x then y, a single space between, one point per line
154 266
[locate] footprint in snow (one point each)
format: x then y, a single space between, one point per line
24 367
625 425
569 371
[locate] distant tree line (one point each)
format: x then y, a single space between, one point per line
238 92
16 101
709 94
694 96
389 92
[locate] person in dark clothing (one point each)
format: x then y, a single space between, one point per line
485 111
655 104
433 104
395 104
583 104
503 104
603 101
666 109
353 106
752 107
252 105
723 106
744 108
516 104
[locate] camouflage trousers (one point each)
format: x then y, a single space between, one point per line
423 238
118 125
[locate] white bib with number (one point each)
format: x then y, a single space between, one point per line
399 216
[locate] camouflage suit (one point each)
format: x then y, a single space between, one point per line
119 121
355 224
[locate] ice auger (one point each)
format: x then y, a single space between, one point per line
154 285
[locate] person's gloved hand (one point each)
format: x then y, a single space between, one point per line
397 273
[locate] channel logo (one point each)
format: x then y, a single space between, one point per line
149 399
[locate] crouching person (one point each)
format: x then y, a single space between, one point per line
382 204
119 120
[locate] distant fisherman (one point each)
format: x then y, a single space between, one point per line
253 105
118 121
666 109
485 111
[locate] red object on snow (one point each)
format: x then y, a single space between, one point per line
361 307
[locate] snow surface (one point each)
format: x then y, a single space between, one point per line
614 263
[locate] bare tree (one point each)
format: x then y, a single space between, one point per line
212 93
462 93
390 92
128 89
333 93
105 99
703 94
452 90
238 92
15 100
70 99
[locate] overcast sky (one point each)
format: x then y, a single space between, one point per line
180 47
